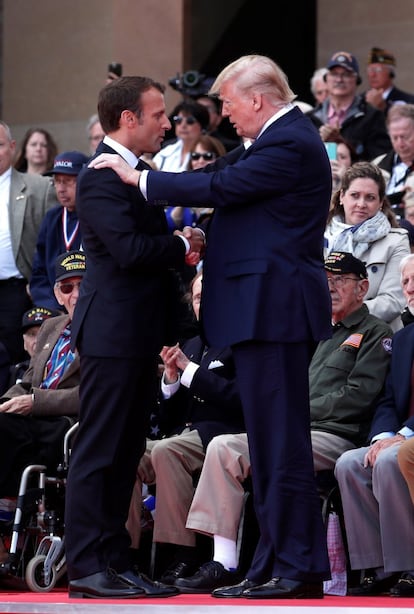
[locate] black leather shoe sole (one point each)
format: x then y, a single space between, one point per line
75 593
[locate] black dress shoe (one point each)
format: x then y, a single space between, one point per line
282 588
210 576
151 588
176 571
371 586
404 586
234 591
103 585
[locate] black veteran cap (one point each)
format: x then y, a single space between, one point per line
70 264
344 262
36 316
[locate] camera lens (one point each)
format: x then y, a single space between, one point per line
191 78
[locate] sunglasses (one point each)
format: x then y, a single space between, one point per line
209 155
190 120
69 286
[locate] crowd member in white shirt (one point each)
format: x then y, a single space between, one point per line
190 120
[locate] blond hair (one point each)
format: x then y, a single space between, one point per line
256 73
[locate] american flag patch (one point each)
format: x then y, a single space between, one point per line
354 340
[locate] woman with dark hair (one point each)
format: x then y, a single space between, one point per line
362 222
346 155
37 152
190 120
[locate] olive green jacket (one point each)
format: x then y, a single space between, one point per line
347 374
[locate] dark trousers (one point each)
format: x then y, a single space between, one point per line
14 301
116 398
273 384
28 440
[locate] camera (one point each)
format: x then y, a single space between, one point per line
114 70
191 83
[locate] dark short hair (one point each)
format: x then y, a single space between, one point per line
197 110
122 94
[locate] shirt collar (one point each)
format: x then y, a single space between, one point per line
6 174
288 107
122 151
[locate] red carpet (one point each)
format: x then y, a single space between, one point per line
57 602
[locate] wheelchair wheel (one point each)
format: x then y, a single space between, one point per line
35 575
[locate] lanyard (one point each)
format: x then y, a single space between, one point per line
68 240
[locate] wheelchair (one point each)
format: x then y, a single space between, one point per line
34 538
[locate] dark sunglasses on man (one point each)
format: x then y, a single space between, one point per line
66 287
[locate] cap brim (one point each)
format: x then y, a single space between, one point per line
71 274
61 171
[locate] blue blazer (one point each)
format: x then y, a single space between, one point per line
392 411
263 273
126 302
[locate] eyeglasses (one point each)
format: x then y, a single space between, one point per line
341 75
190 120
208 155
339 281
69 286
65 181
375 69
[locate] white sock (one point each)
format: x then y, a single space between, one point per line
225 552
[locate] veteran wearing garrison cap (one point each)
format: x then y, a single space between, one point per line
381 72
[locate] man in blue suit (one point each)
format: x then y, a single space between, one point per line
122 320
265 294
378 511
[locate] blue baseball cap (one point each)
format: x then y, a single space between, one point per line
344 60
68 163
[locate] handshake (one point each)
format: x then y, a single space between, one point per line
197 241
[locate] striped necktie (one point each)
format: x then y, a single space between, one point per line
60 358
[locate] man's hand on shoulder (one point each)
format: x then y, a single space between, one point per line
126 173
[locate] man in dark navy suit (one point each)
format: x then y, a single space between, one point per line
265 294
121 322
